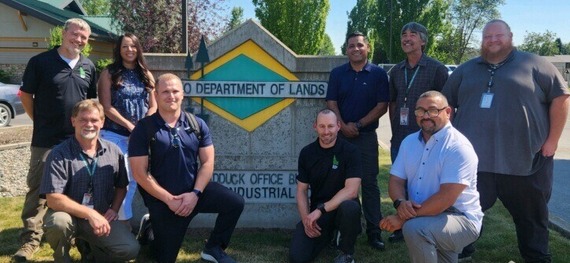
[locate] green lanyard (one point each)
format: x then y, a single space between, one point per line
409 85
90 169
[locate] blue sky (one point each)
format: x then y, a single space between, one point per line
522 15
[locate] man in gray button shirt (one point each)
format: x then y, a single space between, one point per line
84 183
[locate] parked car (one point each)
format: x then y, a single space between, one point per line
10 103
450 68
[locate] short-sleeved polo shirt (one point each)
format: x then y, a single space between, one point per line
56 88
508 135
173 167
357 93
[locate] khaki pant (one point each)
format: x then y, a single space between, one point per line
61 228
34 207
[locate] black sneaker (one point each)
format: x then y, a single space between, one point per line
84 249
465 255
217 255
464 258
335 241
145 234
375 241
397 236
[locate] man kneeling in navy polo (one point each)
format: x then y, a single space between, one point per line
164 149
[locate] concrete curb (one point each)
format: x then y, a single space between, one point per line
14 146
559 225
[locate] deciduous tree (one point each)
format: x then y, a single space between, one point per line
300 24
158 23
205 18
327 48
362 18
543 44
382 20
464 18
96 7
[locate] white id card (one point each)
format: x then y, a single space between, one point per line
486 100
404 112
87 200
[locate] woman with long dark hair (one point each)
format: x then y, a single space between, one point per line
126 92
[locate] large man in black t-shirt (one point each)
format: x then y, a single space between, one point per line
53 82
331 168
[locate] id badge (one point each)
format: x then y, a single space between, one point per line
486 100
404 112
82 72
87 200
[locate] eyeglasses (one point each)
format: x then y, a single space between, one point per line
175 138
431 112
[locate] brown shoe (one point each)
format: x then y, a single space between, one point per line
26 252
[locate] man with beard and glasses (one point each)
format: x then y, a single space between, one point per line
358 94
330 167
53 82
512 106
85 183
438 166
413 76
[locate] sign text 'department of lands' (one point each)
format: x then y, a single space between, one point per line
290 89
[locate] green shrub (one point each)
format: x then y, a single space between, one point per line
102 63
4 76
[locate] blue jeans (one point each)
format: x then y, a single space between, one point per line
126 210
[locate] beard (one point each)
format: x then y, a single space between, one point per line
428 129
89 134
75 51
327 140
498 56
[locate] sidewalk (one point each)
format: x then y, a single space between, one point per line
559 206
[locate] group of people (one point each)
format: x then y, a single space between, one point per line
488 131
88 156
507 107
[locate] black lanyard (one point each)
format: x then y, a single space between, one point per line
492 69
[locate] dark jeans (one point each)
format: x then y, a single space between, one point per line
367 142
526 198
346 219
169 229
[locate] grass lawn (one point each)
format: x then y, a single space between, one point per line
498 243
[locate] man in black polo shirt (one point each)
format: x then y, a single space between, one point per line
331 168
53 82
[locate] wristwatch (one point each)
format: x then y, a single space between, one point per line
197 192
397 202
321 208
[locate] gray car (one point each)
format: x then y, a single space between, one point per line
10 103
